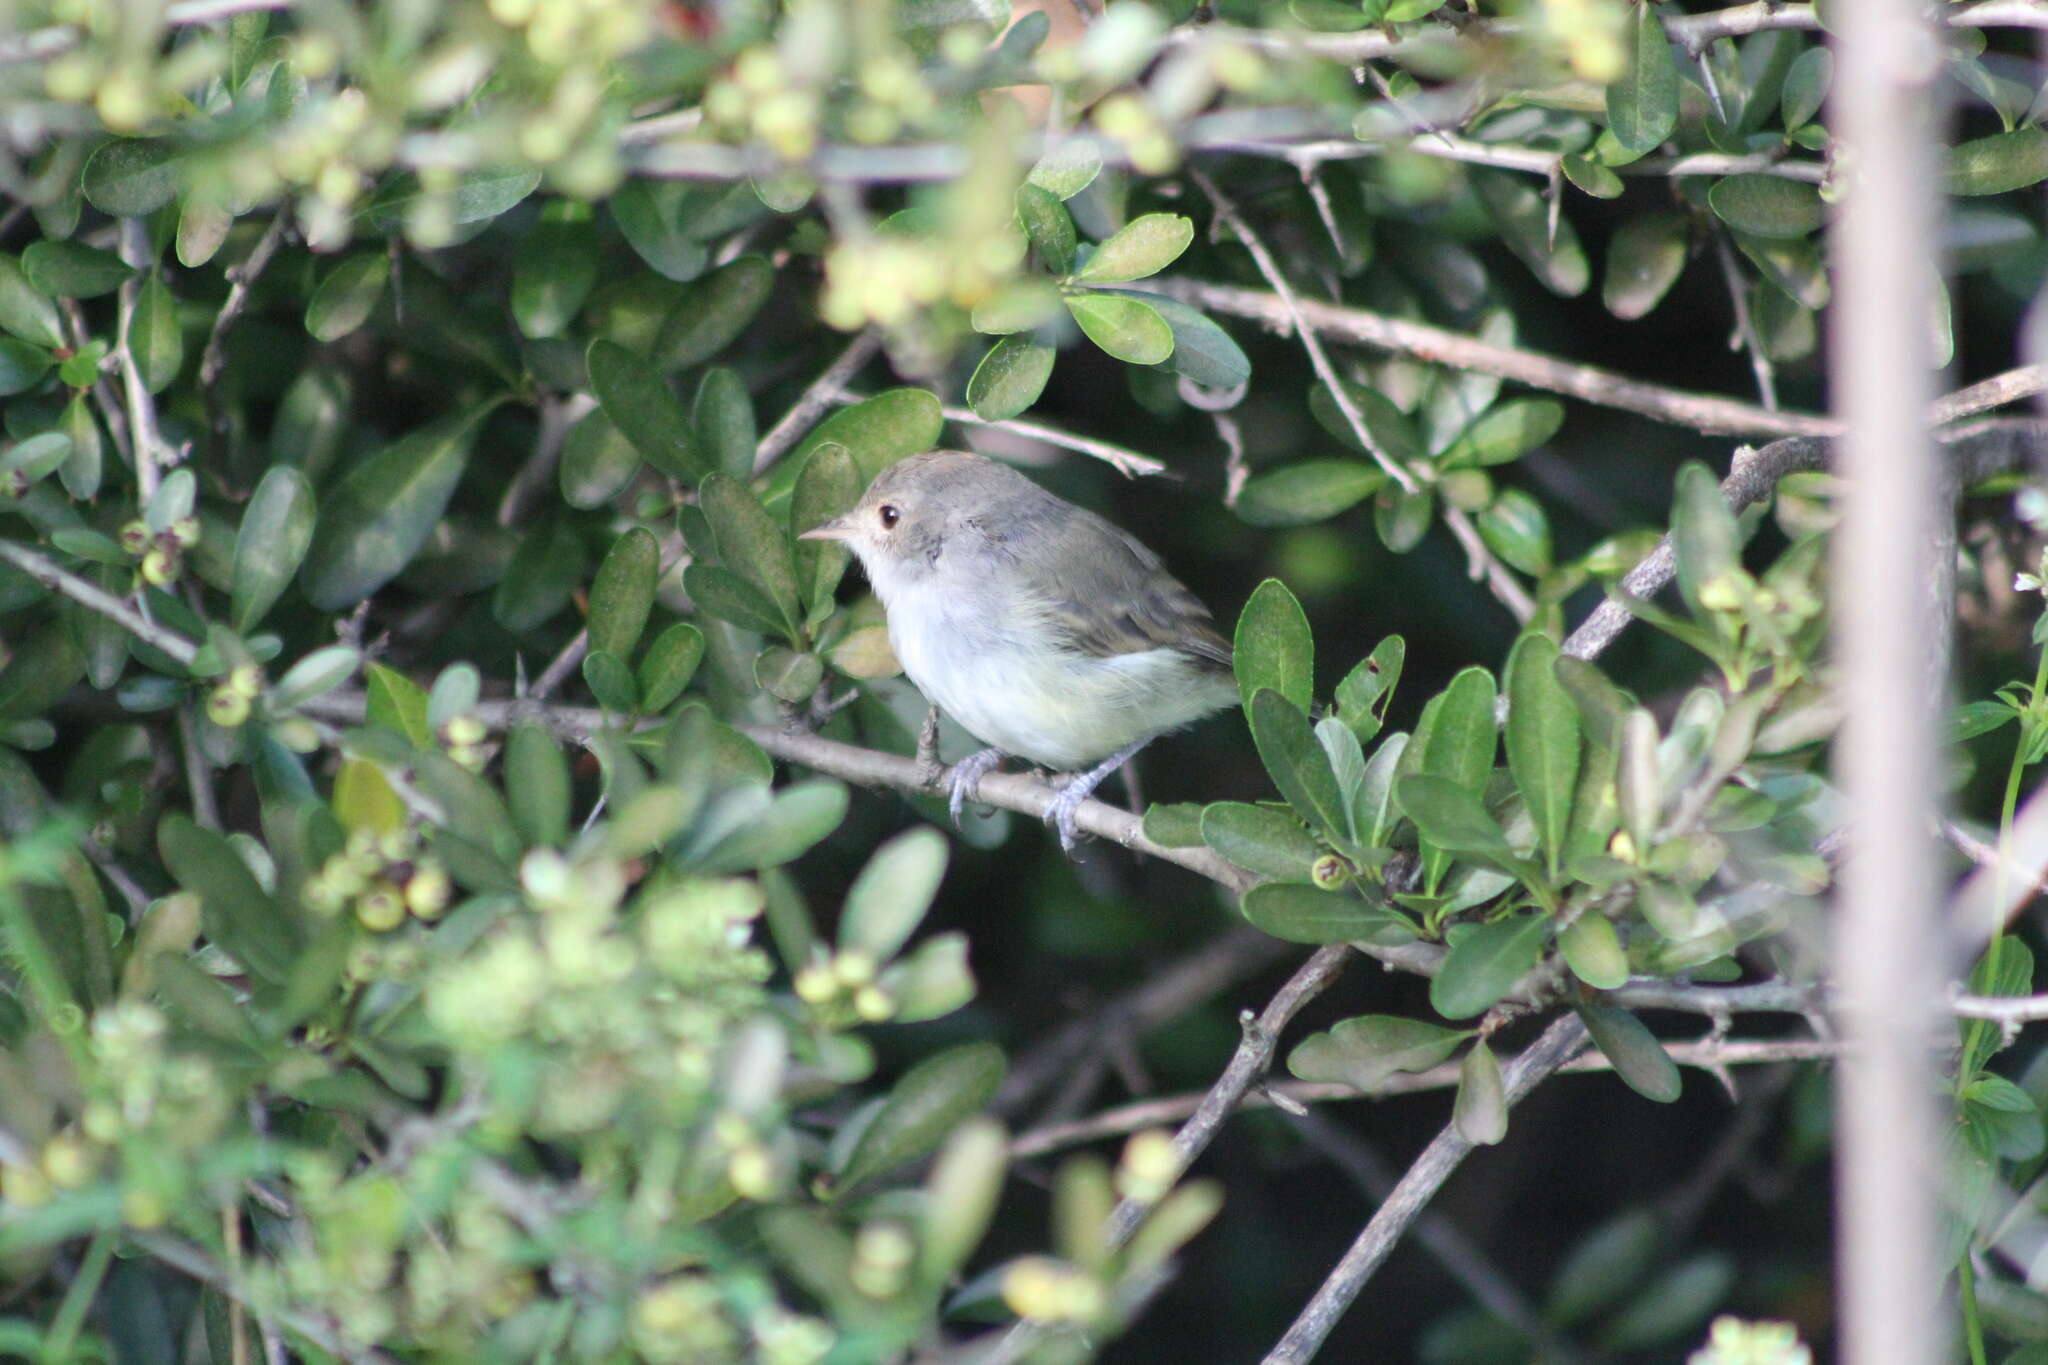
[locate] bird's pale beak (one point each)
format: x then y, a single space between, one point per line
836 529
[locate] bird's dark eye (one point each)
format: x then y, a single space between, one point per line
889 515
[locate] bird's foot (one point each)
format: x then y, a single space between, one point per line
929 769
964 777
1078 787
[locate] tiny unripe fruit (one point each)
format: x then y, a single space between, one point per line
380 908
135 538
1330 872
160 567
227 708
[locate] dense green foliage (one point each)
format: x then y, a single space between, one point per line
427 933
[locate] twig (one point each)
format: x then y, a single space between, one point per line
1702 412
198 780
319 1328
1745 324
557 415
1455 1252
241 280
149 448
1508 156
1995 392
95 598
1417 1186
1254 1056
42 44
1229 958
812 403
1126 462
868 767
1283 295
1131 1118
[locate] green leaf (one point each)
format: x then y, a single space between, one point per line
1603 1267
879 431
1273 647
378 517
723 418
1590 176
828 485
1124 327
81 473
1480 1112
1067 169
73 270
798 817
1308 914
552 275
537 784
202 231
2001 162
1504 432
1365 1051
1644 260
234 910
752 545
1594 953
1384 422
1704 534
1542 741
478 196
1676 1304
25 310
1485 963
1176 824
1795 266
1638 1058
1806 87
712 313
544 573
1144 246
277 529
34 459
154 338
1525 229
1305 491
597 461
649 215
892 893
315 676
1202 350
1768 206
1455 738
724 594
611 682
669 664
1363 696
1009 378
131 177
623 592
1452 819
396 702
347 295
1516 529
1642 107
788 674
1049 226
1018 306
1260 839
933 1098
1299 768
638 401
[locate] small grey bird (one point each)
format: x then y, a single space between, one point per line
1045 631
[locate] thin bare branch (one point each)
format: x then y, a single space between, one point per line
151 454
815 400
1708 413
241 280
1124 460
95 598
1417 1186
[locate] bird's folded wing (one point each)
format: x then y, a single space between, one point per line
1114 597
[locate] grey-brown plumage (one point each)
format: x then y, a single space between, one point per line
1042 629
